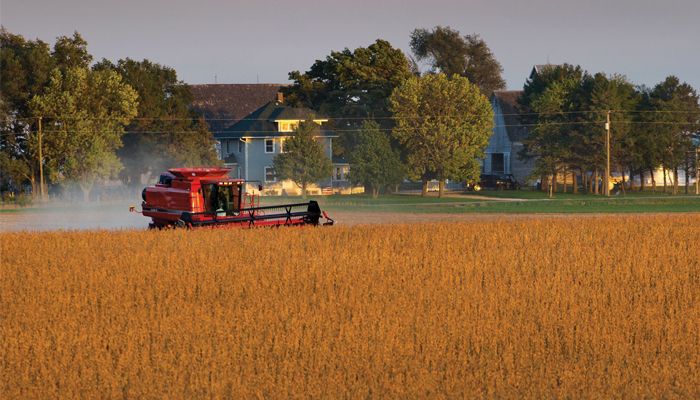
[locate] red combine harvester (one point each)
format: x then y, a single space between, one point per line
207 197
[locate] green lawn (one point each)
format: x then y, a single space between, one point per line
533 202
536 194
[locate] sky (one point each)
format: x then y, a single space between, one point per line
261 41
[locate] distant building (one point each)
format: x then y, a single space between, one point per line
250 145
501 155
222 105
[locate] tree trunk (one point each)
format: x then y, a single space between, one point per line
665 185
544 183
653 180
375 192
687 173
424 190
595 181
86 188
675 180
641 180
554 181
624 181
441 187
35 190
303 190
565 176
574 183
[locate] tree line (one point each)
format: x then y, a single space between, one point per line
73 122
425 115
651 128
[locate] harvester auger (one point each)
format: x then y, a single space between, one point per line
208 198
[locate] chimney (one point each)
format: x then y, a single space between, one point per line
280 97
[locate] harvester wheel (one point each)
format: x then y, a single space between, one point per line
180 224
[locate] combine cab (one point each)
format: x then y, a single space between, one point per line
207 197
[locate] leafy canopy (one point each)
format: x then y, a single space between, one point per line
374 163
444 125
351 84
86 112
303 160
167 132
450 53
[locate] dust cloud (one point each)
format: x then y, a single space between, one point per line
52 216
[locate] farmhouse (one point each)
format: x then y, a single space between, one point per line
250 145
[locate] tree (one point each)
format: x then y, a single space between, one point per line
450 53
71 52
551 98
303 161
599 95
24 67
670 121
444 125
374 163
166 132
85 113
351 86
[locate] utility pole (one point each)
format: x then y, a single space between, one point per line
607 155
697 171
41 165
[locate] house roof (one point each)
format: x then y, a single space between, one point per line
261 122
508 100
339 160
222 105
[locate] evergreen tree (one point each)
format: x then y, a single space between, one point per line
374 163
303 160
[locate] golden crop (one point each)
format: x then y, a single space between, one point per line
538 308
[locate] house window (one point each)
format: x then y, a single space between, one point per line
288 126
240 145
497 163
340 173
269 145
270 175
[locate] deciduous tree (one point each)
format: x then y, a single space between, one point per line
351 86
450 53
166 133
444 125
86 112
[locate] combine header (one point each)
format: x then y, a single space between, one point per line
207 197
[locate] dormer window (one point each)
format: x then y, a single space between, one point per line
287 126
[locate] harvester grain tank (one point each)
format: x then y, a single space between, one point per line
207 197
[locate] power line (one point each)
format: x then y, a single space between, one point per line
355 130
193 119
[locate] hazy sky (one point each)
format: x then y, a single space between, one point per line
247 41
